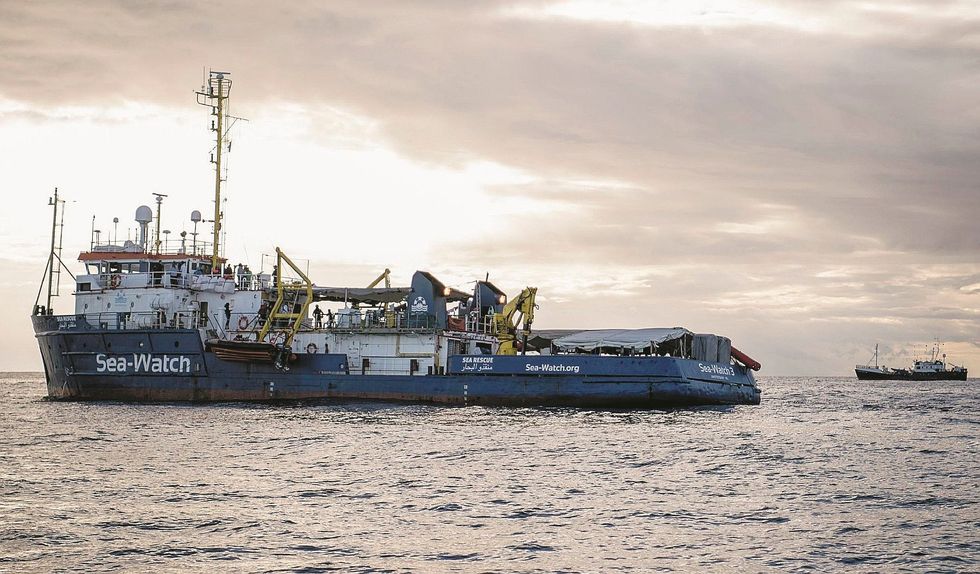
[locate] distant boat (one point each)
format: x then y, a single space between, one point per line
934 369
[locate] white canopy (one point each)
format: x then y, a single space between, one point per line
635 339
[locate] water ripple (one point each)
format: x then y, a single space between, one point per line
826 475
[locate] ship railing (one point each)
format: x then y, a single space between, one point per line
190 248
371 319
178 280
171 279
237 325
120 321
245 325
242 325
483 325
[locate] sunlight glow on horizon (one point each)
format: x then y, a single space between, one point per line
322 169
669 13
847 19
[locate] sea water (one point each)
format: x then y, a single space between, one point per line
827 474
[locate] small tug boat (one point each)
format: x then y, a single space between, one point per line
159 323
934 369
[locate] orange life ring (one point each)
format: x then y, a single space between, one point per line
114 281
243 323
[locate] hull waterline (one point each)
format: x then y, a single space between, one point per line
173 365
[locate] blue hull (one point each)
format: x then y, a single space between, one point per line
173 365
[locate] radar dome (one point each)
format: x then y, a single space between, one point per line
144 214
195 216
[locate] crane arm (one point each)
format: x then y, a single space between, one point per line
385 276
507 326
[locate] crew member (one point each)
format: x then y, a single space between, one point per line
317 318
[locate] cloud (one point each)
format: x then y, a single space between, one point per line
742 156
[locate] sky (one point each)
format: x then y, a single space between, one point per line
800 176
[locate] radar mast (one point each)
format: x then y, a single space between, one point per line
215 93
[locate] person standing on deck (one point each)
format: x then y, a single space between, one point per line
246 278
317 318
263 313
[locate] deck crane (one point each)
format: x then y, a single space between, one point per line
386 276
506 326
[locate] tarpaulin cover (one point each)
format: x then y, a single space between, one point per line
635 339
708 347
374 295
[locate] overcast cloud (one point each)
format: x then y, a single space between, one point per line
799 175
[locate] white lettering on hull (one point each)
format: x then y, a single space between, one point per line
143 363
717 370
477 363
549 368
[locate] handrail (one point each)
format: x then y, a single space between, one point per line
171 280
128 247
118 321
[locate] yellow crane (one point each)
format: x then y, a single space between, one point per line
389 316
292 301
385 276
507 327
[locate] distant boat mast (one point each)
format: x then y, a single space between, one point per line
214 94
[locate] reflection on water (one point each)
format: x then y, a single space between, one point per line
827 474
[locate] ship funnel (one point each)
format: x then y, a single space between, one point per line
144 215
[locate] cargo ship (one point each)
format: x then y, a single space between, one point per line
156 322
934 369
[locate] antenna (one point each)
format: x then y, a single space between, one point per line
215 95
160 197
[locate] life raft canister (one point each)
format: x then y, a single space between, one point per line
746 360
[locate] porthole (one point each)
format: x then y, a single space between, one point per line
176 344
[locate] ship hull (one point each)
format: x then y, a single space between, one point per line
910 376
173 365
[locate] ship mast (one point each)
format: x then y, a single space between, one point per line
51 255
214 94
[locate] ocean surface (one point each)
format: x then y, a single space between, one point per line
827 475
